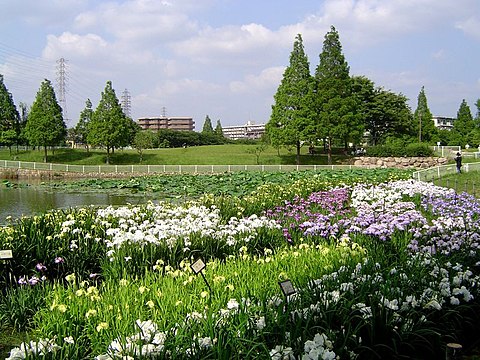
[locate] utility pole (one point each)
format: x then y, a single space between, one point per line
126 103
164 112
419 126
61 85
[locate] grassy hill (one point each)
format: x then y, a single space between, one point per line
231 154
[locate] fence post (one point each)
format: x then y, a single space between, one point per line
83 169
466 167
148 169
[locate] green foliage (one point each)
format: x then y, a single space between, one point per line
399 148
81 129
337 112
45 125
462 126
218 129
385 113
109 127
144 139
20 304
9 117
176 139
423 121
292 115
207 126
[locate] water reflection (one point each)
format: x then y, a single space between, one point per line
30 199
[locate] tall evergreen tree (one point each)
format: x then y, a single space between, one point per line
218 129
81 129
9 118
463 125
109 127
423 120
45 125
207 126
291 121
338 117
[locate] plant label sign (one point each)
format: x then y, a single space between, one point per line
198 266
287 288
5 254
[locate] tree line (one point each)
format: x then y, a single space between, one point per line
43 125
105 126
333 108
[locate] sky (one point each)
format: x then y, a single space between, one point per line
226 58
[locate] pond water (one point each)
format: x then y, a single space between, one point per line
31 198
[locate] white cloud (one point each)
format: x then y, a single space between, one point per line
74 45
470 26
268 79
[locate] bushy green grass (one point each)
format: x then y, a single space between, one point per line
231 154
468 182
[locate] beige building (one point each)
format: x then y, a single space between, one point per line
443 122
247 131
181 123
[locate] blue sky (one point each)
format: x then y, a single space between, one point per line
225 58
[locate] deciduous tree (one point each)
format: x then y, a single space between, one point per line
463 125
207 126
45 125
9 118
81 129
109 127
337 116
292 118
218 129
423 120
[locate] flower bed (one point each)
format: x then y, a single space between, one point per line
379 271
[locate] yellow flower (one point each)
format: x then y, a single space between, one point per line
102 326
91 312
143 289
123 282
178 303
204 294
229 287
150 304
70 278
92 290
62 308
79 292
218 279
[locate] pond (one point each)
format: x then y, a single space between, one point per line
29 198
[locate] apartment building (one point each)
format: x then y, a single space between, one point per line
181 123
247 131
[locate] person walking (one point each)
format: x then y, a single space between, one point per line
458 161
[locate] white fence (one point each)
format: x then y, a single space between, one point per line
158 169
439 171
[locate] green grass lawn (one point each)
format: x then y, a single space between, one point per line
465 182
231 154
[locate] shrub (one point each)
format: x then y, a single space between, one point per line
400 149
